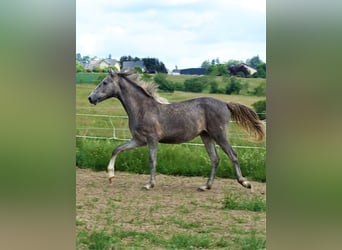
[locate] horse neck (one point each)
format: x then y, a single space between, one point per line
133 99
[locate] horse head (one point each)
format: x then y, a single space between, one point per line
107 88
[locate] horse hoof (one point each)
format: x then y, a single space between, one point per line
203 188
148 187
110 179
246 184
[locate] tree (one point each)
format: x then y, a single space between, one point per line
79 67
85 59
153 65
79 57
128 58
232 62
254 61
217 70
261 71
205 64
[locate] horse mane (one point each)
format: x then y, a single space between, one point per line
149 88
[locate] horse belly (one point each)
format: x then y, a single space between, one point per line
179 133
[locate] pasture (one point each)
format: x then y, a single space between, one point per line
95 154
173 215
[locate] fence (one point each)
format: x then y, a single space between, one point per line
109 127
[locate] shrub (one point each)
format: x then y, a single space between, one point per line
214 87
260 108
146 77
163 83
260 90
195 84
178 86
234 86
79 67
97 69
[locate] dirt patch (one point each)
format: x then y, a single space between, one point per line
173 206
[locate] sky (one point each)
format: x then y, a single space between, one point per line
182 33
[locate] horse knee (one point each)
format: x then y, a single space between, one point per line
216 161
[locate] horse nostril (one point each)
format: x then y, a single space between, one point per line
89 98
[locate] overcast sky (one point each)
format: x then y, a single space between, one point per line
177 32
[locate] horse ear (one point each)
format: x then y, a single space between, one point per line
111 71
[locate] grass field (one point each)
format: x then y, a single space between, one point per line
252 82
95 154
85 78
173 215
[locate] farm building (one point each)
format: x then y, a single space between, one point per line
192 71
242 70
103 63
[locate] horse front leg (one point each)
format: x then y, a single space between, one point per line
123 147
214 158
152 146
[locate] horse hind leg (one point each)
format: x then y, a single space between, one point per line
227 148
152 146
214 158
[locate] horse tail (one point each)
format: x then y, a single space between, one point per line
247 119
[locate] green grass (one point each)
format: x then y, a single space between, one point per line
123 239
233 202
95 154
251 241
89 77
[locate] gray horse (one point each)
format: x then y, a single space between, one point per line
153 120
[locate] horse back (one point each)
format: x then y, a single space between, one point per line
182 121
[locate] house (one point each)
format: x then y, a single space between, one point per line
241 70
128 65
106 63
103 63
192 71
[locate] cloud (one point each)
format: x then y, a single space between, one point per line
183 33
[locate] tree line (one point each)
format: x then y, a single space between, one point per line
216 68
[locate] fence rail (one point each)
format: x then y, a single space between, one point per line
115 129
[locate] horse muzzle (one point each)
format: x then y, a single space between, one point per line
92 100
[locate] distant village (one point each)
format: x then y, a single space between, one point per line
98 65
